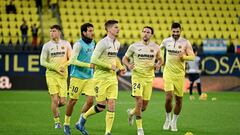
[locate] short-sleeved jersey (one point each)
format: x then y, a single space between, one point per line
56 53
84 53
193 66
143 58
104 56
174 66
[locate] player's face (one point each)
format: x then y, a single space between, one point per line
89 33
114 30
54 34
146 34
176 33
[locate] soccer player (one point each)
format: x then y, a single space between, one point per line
178 50
106 85
144 54
81 73
54 57
194 75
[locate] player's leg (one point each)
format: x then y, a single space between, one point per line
54 107
147 93
53 90
110 115
191 90
100 88
69 110
62 83
88 90
199 88
168 109
178 92
111 96
88 104
138 113
191 86
74 90
177 110
137 92
168 87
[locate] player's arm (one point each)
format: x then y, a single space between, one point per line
189 55
95 57
162 51
125 59
159 60
73 59
120 66
44 62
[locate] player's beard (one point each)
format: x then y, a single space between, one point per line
176 37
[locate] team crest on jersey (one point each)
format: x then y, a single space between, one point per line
179 47
62 47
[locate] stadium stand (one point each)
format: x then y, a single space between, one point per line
10 23
200 19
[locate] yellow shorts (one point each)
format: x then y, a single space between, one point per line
106 89
174 84
57 85
80 86
142 87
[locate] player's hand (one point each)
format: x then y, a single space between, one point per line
180 55
157 66
123 71
114 68
92 65
62 70
131 66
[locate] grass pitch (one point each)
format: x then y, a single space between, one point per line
28 113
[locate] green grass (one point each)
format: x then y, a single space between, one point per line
28 113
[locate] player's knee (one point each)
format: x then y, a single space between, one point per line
169 98
62 103
138 117
99 108
178 102
144 108
72 102
90 101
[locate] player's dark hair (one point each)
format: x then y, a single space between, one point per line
195 49
55 26
84 27
176 25
148 27
110 23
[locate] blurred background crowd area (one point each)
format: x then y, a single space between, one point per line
24 24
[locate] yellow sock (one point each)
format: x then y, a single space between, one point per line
56 120
109 121
91 111
133 111
67 120
139 123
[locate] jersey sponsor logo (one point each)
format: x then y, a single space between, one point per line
112 54
173 52
146 56
58 54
